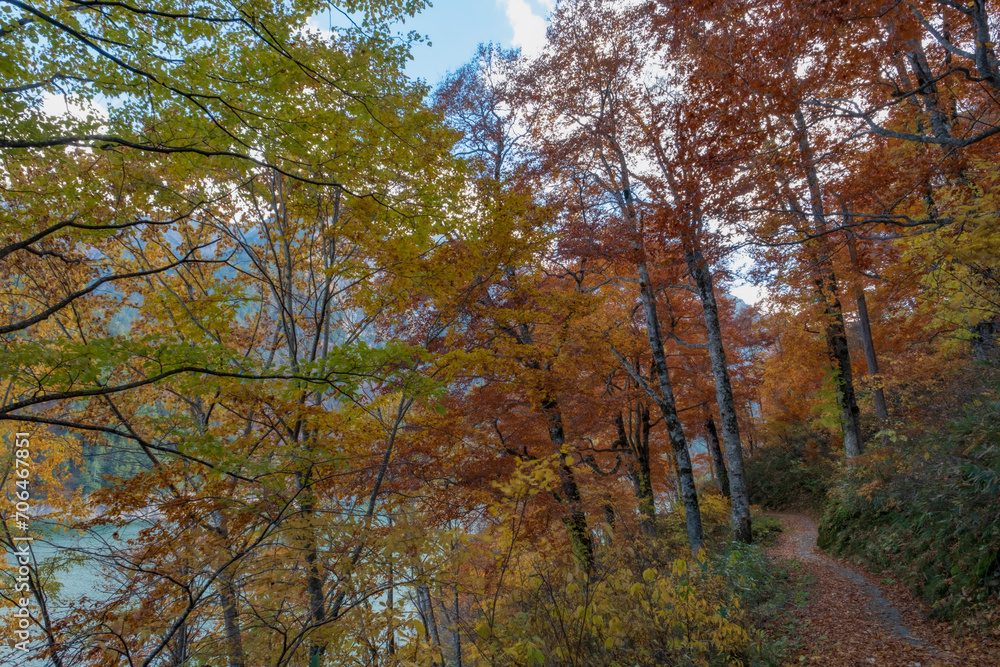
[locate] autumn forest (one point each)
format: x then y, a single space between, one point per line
305 362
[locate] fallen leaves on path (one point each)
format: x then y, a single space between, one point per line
854 619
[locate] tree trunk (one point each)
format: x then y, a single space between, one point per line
576 522
424 595
881 411
840 358
609 516
721 474
457 632
230 617
665 398
736 475
314 579
177 651
641 473
826 285
230 606
668 408
390 604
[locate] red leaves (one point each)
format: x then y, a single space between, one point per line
844 623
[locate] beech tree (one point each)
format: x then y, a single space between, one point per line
481 102
411 380
202 235
634 141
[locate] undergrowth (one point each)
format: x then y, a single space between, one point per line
793 474
648 603
928 511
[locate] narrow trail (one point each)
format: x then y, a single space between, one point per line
853 618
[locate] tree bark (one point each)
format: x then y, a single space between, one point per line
826 287
668 408
640 471
230 617
177 651
840 358
431 628
665 398
230 607
457 632
736 475
314 579
576 522
881 411
721 474
390 604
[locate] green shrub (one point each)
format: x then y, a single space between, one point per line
765 528
791 475
928 512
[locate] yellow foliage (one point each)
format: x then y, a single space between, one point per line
674 612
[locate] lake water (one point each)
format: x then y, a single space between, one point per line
77 581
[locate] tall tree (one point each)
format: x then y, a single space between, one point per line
582 87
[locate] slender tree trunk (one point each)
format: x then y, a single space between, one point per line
711 469
576 522
609 516
665 398
668 408
881 411
457 632
826 286
927 85
641 473
231 620
230 606
34 585
390 603
314 579
840 358
736 475
424 594
646 498
177 652
721 474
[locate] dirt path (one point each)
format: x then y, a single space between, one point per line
853 618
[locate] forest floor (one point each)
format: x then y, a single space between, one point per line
853 617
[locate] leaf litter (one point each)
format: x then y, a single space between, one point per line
851 621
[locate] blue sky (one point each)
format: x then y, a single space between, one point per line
456 27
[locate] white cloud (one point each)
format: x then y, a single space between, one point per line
749 293
529 28
313 27
79 108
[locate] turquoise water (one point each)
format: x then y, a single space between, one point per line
78 577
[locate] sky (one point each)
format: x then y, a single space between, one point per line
456 27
